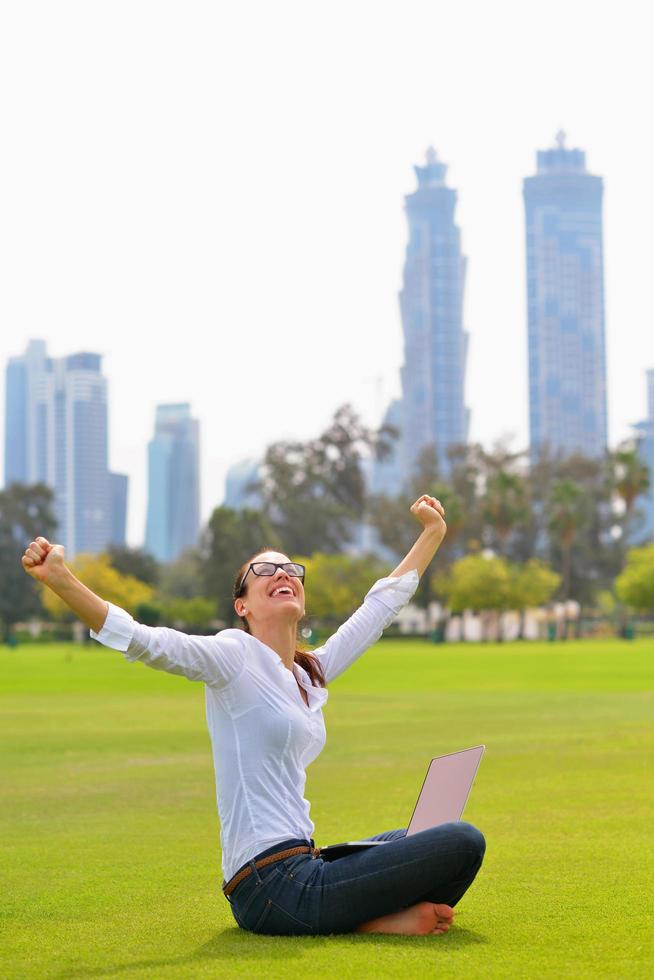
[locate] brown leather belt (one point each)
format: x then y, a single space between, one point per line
229 887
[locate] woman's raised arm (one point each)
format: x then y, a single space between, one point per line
217 660
388 596
429 512
45 562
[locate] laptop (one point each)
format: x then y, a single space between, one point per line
444 794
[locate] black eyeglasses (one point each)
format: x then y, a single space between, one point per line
292 568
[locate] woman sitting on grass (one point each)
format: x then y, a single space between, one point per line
264 703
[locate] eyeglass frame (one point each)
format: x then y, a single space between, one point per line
277 564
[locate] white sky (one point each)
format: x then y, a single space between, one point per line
211 195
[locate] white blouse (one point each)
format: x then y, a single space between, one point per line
262 733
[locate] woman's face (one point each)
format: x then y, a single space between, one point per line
271 597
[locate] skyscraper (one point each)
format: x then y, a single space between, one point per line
57 433
238 478
387 475
431 303
645 436
173 521
565 304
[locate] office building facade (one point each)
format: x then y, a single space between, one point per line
57 433
431 304
238 496
565 304
173 516
644 531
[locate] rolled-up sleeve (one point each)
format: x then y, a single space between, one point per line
380 607
215 660
118 629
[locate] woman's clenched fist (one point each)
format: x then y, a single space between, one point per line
43 560
430 512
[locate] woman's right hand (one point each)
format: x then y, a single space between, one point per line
42 560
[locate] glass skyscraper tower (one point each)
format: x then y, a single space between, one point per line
431 303
57 433
565 304
238 478
645 436
173 521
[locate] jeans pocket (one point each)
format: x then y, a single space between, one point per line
277 921
248 890
302 869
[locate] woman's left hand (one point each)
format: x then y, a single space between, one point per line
430 512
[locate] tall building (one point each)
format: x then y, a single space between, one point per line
57 433
645 436
238 478
118 493
388 475
173 521
431 303
565 304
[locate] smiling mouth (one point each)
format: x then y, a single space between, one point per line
286 593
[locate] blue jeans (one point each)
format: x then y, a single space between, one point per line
305 895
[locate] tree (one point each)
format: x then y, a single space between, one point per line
631 479
395 525
26 511
397 528
477 583
194 614
532 584
505 506
337 584
230 538
596 554
99 575
136 562
635 585
426 478
466 475
184 578
566 518
313 493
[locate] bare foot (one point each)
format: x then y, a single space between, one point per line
418 920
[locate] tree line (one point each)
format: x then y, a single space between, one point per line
520 532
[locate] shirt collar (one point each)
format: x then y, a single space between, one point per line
317 695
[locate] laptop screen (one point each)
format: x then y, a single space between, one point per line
446 788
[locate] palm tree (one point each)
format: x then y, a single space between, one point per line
505 505
566 518
631 478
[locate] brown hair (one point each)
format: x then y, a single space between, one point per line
303 658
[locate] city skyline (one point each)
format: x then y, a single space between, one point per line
212 247
431 309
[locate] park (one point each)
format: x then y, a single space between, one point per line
327 394
111 860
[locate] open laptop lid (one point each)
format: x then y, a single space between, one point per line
443 797
446 789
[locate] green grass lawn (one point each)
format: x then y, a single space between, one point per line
110 851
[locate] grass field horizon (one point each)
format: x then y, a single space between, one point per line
110 836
